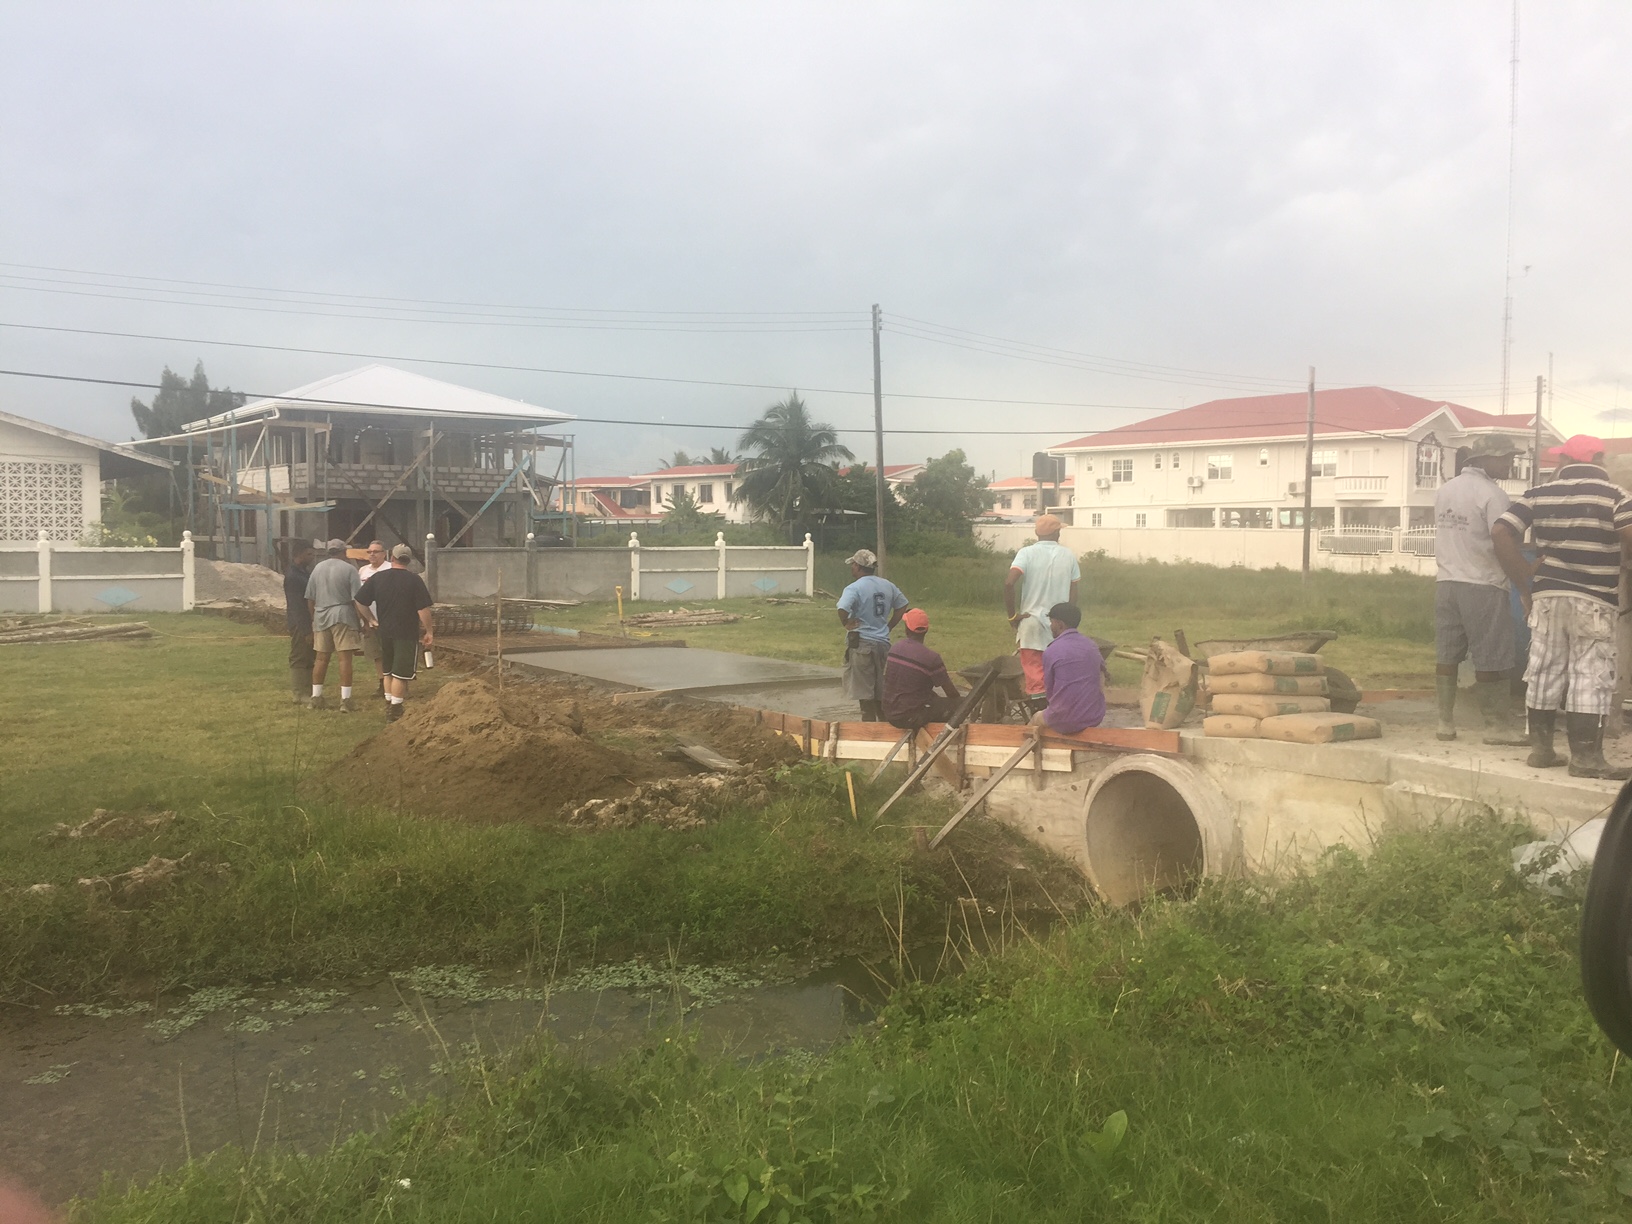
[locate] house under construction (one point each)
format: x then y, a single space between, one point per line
375 453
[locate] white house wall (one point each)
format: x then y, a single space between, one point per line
47 482
734 512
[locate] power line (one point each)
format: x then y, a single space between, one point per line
522 369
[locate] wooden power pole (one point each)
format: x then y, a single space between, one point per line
1309 475
878 435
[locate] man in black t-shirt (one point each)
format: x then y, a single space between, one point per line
403 605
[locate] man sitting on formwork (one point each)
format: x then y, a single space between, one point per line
1072 667
912 675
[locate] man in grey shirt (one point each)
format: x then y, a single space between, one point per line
1471 614
335 629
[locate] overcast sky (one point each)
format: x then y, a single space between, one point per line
1190 201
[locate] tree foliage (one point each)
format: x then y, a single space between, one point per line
180 400
947 495
678 459
790 471
721 455
684 512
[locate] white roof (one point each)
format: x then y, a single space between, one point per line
387 391
114 450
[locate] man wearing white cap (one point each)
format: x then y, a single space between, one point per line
335 628
868 609
1041 575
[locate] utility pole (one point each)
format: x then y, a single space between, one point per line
1535 476
1309 476
878 435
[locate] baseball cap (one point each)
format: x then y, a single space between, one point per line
863 557
335 546
916 619
1492 446
1048 524
402 553
1583 448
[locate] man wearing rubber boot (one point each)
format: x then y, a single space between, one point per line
1471 615
1579 522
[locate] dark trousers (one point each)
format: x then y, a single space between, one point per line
938 709
301 654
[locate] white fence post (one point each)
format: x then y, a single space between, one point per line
810 566
634 567
189 572
45 571
719 584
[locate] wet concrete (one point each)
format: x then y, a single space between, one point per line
674 670
127 1095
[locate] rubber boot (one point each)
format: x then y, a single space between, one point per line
1586 732
1445 694
1500 726
1542 725
300 684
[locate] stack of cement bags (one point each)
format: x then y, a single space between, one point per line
1271 694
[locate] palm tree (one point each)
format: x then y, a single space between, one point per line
792 468
681 459
720 454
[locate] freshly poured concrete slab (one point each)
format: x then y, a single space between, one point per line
676 671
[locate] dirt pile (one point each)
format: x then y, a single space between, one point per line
233 580
539 750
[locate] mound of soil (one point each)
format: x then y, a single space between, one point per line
539 749
223 580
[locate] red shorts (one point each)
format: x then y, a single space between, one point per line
1031 663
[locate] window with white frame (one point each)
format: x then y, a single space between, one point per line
1121 471
1325 463
1029 502
1096 520
1221 467
1139 520
1005 503
1263 457
1088 464
1175 462
1158 461
728 490
705 494
1429 458
679 492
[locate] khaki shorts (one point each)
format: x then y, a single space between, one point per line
342 639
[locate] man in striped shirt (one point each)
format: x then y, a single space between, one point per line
1579 522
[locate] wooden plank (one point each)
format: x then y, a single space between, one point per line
1135 739
890 755
979 796
707 757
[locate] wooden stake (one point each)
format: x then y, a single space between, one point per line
986 788
850 785
498 626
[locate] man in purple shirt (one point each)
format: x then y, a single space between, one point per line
912 673
1072 666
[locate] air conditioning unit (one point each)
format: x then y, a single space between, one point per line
1295 489
1102 483
1194 482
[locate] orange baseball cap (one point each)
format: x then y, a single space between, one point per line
916 619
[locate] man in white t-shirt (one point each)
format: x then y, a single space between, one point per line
1471 613
1042 575
377 561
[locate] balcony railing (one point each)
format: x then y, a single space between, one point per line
1362 488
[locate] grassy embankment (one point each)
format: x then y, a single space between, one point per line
1399 1038
198 721
1386 620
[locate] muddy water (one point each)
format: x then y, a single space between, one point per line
91 1095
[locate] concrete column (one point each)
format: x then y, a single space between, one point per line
634 567
189 572
810 565
719 582
45 571
430 563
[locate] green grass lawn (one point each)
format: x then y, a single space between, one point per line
1385 620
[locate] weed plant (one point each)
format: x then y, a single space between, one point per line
1396 1038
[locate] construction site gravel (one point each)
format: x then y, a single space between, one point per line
540 750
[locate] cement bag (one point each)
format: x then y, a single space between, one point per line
1167 690
1272 662
1255 682
1233 726
1267 705
1319 728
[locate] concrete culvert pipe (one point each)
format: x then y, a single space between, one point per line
1156 825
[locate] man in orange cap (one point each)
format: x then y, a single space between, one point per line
912 675
1041 575
1580 522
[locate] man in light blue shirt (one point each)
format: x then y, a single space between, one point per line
1041 575
868 609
